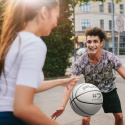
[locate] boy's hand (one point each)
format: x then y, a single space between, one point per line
57 113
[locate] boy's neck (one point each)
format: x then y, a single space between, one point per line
95 58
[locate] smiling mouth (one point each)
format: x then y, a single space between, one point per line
92 48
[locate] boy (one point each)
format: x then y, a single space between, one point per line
97 67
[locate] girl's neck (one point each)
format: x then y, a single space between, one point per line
34 27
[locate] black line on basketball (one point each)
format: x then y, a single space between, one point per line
75 94
73 106
70 99
88 91
84 93
88 102
82 110
78 89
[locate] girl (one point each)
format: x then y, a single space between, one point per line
22 56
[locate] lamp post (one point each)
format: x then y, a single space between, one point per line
119 23
74 31
113 40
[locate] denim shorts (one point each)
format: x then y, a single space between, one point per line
111 102
7 118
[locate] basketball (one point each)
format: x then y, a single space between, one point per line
86 99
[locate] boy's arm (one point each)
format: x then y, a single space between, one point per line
121 71
65 98
66 95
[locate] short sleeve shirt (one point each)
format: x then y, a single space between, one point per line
101 74
23 66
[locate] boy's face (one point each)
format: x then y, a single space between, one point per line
93 44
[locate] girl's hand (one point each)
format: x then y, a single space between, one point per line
72 80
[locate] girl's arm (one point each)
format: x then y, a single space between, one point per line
25 110
53 83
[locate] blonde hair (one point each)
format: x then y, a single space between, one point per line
16 14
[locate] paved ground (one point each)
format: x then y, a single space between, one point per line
50 100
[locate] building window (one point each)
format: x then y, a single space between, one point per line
122 42
85 7
110 24
121 9
109 8
102 24
101 6
85 23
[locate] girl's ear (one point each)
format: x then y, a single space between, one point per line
102 43
44 13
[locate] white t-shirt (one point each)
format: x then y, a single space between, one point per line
23 66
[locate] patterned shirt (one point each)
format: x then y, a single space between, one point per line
101 74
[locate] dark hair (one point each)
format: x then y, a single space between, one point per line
96 31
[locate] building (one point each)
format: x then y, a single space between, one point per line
99 14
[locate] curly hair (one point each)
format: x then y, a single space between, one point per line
96 31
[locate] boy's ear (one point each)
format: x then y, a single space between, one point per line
86 42
102 43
